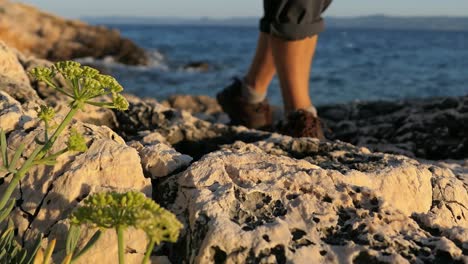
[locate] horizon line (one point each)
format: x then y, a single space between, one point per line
255 17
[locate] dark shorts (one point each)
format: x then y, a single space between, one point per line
293 19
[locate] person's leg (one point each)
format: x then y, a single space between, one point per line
293 61
262 68
245 99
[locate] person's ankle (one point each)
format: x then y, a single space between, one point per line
311 109
250 94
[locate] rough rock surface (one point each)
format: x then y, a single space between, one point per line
435 128
187 134
11 112
264 199
48 194
256 204
160 160
50 37
432 129
200 106
13 78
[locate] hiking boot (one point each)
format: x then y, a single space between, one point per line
241 112
301 123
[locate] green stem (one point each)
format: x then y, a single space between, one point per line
51 157
46 130
57 88
38 153
120 238
101 104
16 179
68 118
149 250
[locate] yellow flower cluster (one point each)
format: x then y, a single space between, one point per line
112 210
86 84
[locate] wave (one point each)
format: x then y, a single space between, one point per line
156 61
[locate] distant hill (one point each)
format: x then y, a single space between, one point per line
376 21
388 22
109 20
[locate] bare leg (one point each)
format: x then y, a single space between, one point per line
293 61
262 69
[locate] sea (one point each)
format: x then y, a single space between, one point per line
349 64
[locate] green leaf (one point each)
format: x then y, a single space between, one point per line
89 245
3 145
72 238
15 159
8 246
21 256
6 237
5 212
35 248
38 141
49 250
47 161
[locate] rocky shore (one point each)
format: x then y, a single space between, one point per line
47 36
391 186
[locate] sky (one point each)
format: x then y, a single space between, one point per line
243 8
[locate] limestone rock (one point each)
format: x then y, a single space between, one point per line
50 37
450 201
161 160
48 194
13 78
186 133
284 200
433 128
10 66
10 112
203 107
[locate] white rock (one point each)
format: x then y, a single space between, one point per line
50 193
10 112
243 205
160 160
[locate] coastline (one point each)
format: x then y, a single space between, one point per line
228 182
389 186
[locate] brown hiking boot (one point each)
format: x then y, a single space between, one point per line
301 123
241 112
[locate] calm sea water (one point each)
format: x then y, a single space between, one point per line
350 64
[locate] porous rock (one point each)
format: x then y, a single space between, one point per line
284 200
160 160
431 128
189 135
